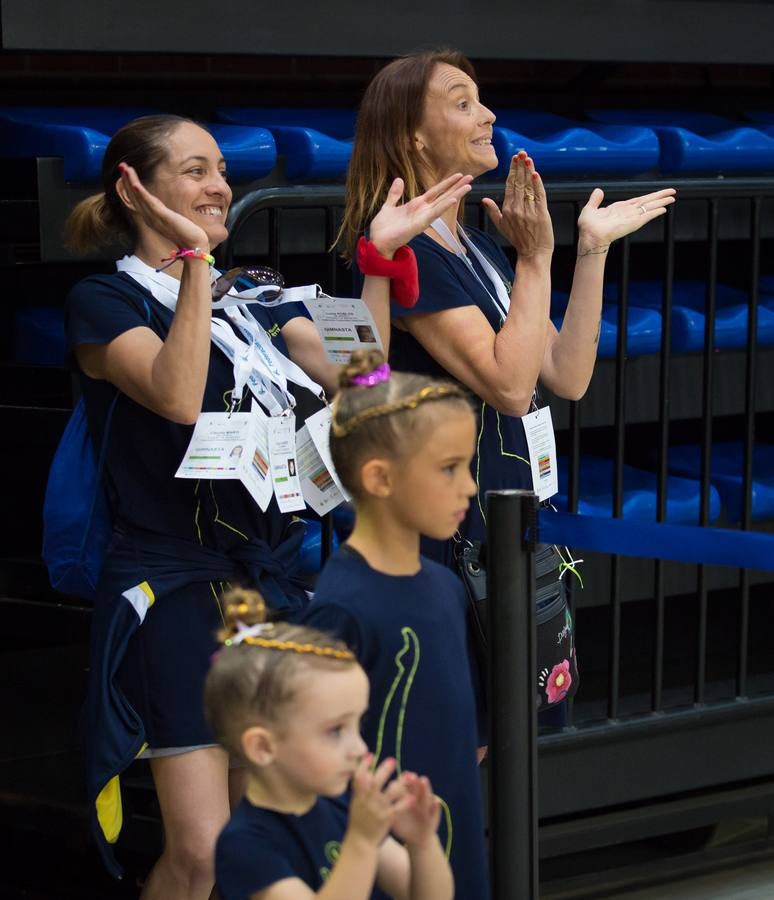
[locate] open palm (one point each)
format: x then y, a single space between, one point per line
396 223
600 225
179 231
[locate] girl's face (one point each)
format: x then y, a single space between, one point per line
432 484
318 744
192 180
456 130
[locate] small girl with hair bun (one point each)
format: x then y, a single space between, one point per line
287 701
402 446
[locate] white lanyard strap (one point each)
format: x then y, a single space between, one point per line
501 297
243 318
256 362
248 369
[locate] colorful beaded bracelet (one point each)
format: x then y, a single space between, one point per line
183 252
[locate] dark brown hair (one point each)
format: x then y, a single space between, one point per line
386 419
390 114
102 218
252 680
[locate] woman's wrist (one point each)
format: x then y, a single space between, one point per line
187 255
539 260
592 248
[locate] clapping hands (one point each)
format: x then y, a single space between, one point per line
406 805
523 220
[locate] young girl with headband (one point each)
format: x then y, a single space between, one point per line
402 446
287 701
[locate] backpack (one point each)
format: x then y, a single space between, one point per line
76 518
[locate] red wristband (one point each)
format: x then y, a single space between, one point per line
401 270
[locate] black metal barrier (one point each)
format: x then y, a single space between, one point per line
513 775
513 528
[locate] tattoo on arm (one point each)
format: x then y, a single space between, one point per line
590 251
599 331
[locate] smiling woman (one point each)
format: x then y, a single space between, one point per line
476 319
144 336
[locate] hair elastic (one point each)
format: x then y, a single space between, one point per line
247 631
183 252
401 270
377 376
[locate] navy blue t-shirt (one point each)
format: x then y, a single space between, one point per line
446 282
145 449
408 632
259 847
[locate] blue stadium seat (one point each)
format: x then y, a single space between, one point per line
311 548
693 143
561 146
316 143
639 501
643 328
688 319
336 123
80 135
726 475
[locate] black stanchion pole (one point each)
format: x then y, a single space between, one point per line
513 813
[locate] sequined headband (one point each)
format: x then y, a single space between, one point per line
252 635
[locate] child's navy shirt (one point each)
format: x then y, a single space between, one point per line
409 634
259 847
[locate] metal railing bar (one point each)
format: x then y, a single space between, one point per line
663 455
614 685
275 214
749 442
706 445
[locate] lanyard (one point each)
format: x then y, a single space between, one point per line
500 298
256 361
504 303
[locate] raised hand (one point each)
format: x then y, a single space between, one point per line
599 226
180 231
419 822
374 807
396 223
523 220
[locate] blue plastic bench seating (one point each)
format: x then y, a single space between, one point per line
80 135
688 318
311 548
643 327
639 501
694 143
562 146
315 143
726 475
